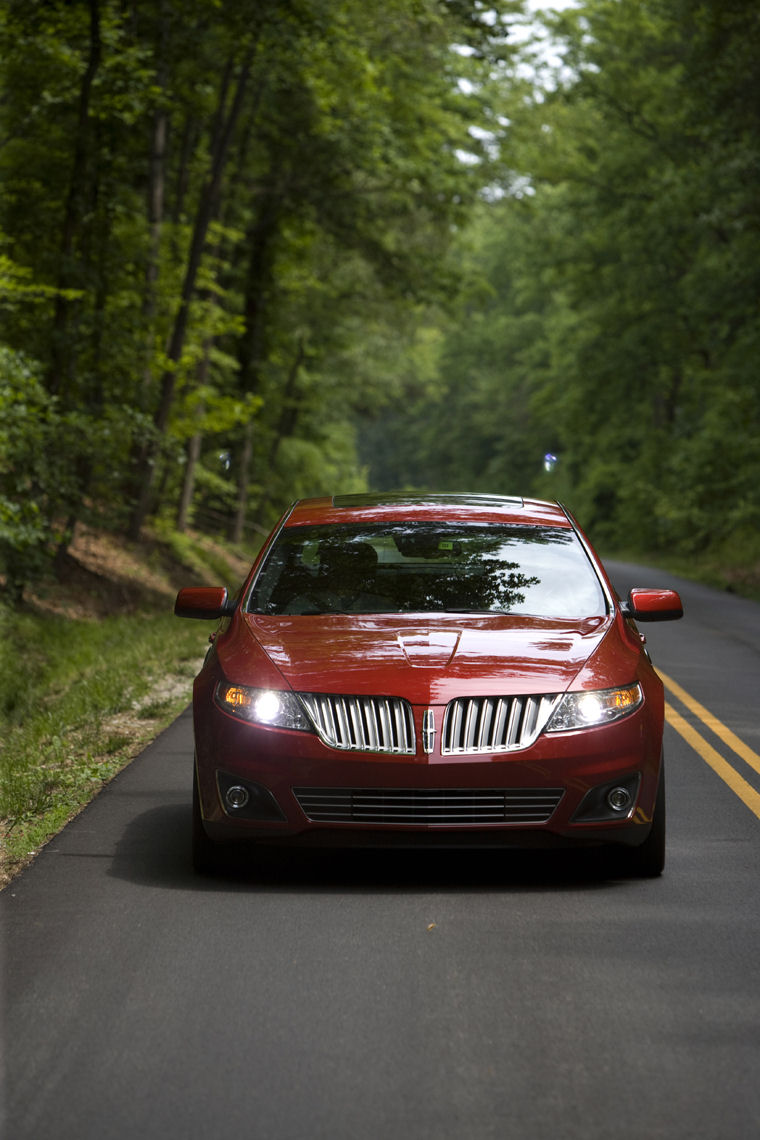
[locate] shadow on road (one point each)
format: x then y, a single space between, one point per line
155 851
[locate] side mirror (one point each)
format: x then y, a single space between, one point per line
204 602
652 605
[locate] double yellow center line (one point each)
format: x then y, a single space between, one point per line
726 771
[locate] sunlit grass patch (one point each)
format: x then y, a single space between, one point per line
78 699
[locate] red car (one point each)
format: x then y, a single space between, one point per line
439 670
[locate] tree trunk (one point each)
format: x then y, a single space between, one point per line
193 449
193 453
209 201
260 245
288 417
156 184
60 368
244 468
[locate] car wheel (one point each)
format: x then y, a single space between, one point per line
648 860
207 856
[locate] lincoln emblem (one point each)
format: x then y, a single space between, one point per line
428 730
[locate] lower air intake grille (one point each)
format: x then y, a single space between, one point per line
429 805
494 724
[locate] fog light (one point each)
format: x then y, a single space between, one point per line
236 797
245 800
619 799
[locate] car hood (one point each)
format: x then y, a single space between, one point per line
426 660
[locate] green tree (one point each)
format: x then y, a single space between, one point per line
209 198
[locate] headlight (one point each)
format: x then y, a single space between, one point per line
271 707
600 706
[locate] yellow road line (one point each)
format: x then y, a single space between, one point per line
736 783
726 735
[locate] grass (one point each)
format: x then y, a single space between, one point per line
81 694
199 554
77 704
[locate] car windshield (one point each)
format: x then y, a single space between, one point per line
428 568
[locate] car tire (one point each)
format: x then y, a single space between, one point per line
648 860
207 857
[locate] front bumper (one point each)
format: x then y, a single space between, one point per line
281 769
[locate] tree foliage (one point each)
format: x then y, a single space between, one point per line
620 273
262 248
207 204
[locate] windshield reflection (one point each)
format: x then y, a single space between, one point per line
427 568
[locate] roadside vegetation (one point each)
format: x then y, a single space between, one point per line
91 672
254 249
733 567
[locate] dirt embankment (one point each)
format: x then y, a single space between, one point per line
102 574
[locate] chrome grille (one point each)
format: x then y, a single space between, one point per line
494 724
362 724
474 806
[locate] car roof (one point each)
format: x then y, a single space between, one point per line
457 508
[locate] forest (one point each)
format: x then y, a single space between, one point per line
257 249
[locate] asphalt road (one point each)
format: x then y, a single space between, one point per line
418 996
